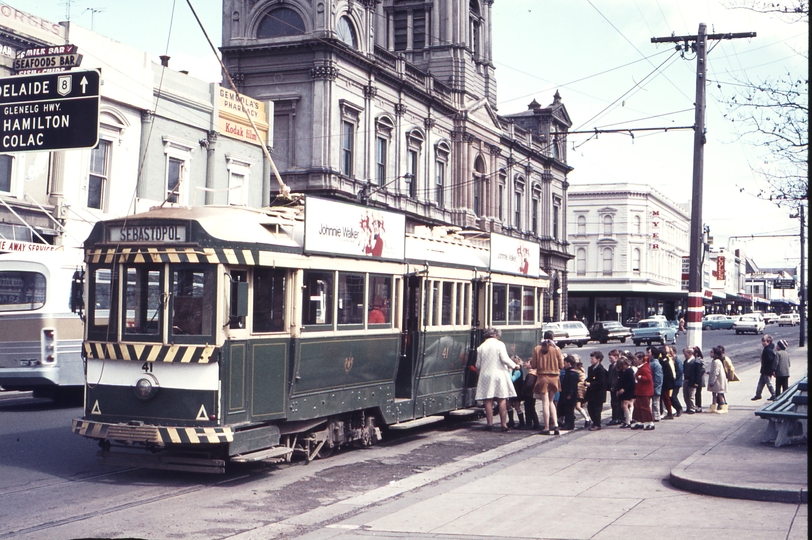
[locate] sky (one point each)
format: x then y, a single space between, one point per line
598 55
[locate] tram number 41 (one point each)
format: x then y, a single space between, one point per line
147 367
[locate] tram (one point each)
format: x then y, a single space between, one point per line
40 339
230 334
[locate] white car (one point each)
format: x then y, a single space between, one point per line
789 319
568 333
749 323
770 318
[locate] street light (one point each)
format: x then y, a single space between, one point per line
801 284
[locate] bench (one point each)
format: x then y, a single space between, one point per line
787 416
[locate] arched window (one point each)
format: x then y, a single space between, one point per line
518 203
535 210
607 225
581 224
636 260
474 28
479 172
636 224
580 262
281 22
607 261
346 32
414 146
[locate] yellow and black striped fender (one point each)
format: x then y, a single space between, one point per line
161 435
144 352
172 255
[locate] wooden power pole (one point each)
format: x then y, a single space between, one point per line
699 44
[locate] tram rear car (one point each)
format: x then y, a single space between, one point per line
231 334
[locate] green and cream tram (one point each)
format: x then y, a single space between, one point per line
233 334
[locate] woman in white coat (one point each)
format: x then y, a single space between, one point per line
494 367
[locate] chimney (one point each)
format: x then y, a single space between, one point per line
164 60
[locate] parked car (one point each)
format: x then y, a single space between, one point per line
603 331
651 330
749 323
717 322
789 319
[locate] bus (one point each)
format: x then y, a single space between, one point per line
40 337
231 334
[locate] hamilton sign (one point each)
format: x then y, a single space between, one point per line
49 111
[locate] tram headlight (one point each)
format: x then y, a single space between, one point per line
146 387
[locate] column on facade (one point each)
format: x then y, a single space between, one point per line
211 142
434 14
147 117
487 37
57 179
448 34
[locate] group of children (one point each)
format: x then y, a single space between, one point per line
644 388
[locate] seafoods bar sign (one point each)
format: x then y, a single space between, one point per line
514 256
356 231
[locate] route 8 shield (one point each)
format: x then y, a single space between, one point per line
64 85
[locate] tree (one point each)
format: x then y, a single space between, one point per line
773 115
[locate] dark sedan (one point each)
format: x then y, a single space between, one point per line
603 331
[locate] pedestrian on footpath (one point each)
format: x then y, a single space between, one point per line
782 367
596 385
767 368
668 380
717 382
643 392
581 401
701 374
532 421
516 403
547 361
614 377
690 383
569 393
678 381
494 367
657 375
625 391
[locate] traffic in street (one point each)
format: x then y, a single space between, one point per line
51 485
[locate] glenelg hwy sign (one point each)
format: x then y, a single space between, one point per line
49 111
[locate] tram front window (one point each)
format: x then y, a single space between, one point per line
192 302
99 302
142 301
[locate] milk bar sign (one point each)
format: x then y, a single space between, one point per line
49 111
47 59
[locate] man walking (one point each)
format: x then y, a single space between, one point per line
767 368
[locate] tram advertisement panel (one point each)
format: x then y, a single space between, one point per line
514 256
357 231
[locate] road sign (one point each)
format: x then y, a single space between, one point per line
49 111
784 283
48 59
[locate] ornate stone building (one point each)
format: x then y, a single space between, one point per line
393 103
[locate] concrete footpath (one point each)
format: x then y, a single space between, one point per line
602 485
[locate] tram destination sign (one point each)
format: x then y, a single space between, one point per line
49 111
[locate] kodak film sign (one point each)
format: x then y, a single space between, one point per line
232 121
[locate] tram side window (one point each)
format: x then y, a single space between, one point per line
463 291
236 277
528 305
21 291
499 304
514 305
380 297
142 300
192 302
350 298
317 298
447 303
99 302
269 300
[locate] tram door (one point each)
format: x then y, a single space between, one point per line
478 321
404 383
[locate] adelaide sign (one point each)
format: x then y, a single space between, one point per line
49 111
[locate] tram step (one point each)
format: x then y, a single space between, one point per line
418 422
277 452
464 412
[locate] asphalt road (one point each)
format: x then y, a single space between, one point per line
51 485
